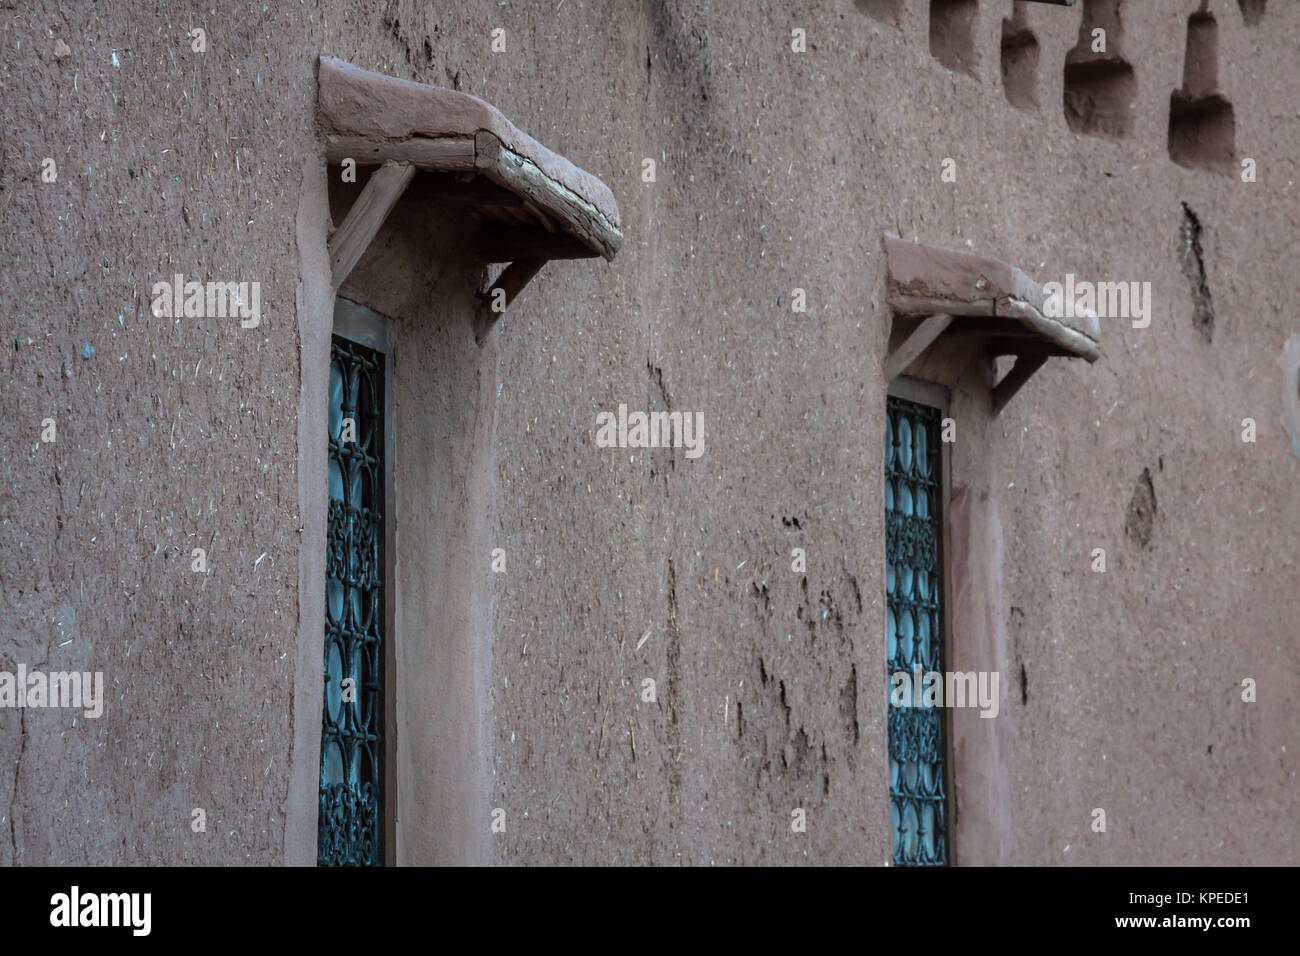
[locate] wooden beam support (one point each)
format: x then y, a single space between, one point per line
1021 372
916 343
511 281
367 214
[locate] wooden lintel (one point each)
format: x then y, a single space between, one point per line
509 244
1021 372
366 216
916 343
501 293
450 154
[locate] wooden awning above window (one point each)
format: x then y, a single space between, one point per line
514 181
527 204
984 304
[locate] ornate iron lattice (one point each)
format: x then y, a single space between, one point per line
914 584
350 827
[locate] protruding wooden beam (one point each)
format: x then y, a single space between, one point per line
520 175
450 154
365 217
916 343
1021 372
511 282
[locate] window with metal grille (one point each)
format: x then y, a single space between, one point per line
351 784
914 586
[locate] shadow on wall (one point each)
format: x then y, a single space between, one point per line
1252 11
1100 87
952 34
889 11
1019 60
1202 128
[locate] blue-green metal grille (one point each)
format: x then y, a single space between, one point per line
351 798
914 585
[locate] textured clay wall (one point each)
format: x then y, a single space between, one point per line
171 434
775 170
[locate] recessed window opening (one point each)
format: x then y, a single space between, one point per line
353 791
915 630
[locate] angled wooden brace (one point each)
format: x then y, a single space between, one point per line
511 282
366 216
1021 372
916 343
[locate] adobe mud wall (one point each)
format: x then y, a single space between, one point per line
774 171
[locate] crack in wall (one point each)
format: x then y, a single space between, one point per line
1141 519
664 459
1193 261
674 655
849 706
13 802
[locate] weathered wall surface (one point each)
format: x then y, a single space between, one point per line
775 170
172 435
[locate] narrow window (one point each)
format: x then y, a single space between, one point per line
352 791
914 587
